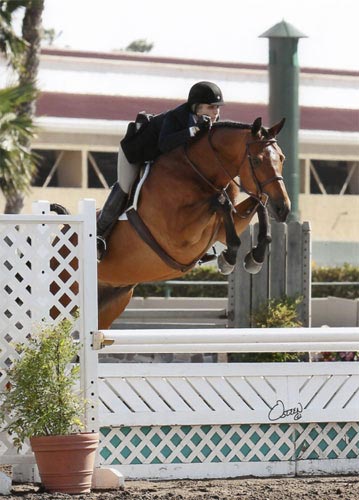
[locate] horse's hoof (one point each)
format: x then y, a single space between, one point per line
251 265
223 266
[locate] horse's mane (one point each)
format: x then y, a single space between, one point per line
228 124
243 126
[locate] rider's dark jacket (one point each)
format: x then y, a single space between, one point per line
159 134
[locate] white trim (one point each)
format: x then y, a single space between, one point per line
241 469
328 137
81 125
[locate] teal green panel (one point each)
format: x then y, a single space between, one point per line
105 453
284 448
264 449
255 438
274 437
115 441
126 452
146 451
206 450
226 450
186 451
196 439
125 430
216 438
235 438
136 440
186 429
176 439
166 451
245 449
156 440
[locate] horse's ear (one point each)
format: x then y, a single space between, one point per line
256 126
273 131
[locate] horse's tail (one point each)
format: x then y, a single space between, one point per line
59 209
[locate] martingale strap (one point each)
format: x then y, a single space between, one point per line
146 235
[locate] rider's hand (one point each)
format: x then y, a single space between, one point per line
204 122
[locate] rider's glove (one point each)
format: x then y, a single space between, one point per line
204 122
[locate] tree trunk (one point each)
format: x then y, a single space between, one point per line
15 204
31 33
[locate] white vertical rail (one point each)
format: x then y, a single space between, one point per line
88 311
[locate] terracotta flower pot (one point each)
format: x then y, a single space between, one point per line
66 463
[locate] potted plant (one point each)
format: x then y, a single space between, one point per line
42 404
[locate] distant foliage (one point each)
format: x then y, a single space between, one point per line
347 272
202 273
140 45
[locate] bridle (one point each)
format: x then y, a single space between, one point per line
260 196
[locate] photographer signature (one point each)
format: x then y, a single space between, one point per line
279 411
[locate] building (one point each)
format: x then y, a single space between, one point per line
87 100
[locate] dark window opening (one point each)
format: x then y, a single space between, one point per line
107 165
334 175
45 162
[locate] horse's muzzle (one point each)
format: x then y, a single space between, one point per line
279 210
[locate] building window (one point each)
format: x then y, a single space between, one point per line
101 169
334 177
46 159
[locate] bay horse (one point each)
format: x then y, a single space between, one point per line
182 208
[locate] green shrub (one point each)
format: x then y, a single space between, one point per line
202 273
347 272
275 313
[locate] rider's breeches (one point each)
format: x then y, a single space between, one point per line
126 172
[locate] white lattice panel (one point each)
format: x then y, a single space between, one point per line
137 394
42 267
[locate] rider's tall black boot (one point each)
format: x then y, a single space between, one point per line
112 209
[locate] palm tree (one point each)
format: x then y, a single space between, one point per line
23 55
16 160
11 45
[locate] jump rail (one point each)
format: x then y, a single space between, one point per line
231 340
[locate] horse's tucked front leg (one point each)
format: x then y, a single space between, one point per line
253 261
228 258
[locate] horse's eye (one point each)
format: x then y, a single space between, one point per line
256 162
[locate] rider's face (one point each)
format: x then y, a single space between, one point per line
211 110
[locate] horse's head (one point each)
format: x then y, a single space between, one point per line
248 151
261 172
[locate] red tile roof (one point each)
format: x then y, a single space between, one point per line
126 108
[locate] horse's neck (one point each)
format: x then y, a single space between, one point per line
220 156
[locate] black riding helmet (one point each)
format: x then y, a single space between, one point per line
205 93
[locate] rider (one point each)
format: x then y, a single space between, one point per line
147 138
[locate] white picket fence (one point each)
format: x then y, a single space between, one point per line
176 420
